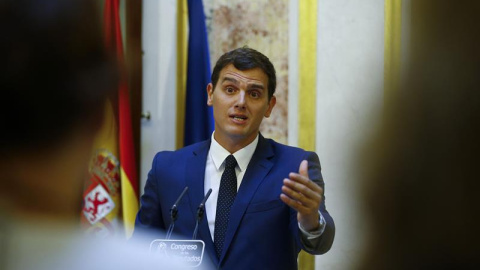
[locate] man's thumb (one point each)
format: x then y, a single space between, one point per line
303 169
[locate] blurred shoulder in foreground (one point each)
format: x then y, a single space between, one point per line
421 180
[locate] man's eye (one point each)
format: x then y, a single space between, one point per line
254 94
229 90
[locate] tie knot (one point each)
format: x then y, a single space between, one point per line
230 162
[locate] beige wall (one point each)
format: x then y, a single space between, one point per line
349 96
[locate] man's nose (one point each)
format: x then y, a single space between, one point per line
241 99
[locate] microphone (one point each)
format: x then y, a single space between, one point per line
174 213
200 213
201 207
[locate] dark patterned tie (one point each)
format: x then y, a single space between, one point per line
226 196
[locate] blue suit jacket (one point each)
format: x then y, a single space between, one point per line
262 232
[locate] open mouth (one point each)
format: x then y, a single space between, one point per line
239 118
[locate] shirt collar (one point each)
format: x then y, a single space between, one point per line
243 156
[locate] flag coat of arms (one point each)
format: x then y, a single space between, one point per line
110 198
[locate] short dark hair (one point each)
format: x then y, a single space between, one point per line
56 73
246 58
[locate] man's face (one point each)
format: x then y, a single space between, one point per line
240 101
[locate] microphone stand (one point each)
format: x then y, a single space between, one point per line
174 214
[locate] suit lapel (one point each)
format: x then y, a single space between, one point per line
257 169
195 178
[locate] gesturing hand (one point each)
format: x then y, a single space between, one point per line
303 195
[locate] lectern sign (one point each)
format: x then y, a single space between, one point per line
189 252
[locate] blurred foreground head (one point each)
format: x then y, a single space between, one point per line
54 78
422 180
55 73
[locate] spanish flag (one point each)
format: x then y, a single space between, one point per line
111 190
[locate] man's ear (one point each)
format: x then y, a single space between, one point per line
210 94
271 104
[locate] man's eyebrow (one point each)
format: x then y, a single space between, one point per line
256 86
230 79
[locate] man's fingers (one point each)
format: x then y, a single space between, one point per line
293 194
304 196
301 183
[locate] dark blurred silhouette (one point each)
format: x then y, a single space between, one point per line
421 178
55 79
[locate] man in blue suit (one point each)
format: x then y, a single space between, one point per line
278 206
